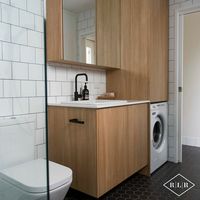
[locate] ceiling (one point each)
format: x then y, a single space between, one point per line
78 5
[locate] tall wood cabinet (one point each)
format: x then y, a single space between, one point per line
144 51
106 148
158 51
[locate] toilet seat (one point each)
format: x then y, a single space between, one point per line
31 176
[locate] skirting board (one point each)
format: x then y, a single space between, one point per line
191 141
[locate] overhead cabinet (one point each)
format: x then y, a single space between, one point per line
85 34
144 52
129 35
103 149
108 33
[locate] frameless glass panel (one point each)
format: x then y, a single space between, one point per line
79 22
23 160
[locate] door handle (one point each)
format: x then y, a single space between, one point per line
76 121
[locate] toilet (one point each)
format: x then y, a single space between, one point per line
21 176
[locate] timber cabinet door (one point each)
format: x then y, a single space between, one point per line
137 143
108 33
158 51
80 147
111 148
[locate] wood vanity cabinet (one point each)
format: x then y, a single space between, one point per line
109 147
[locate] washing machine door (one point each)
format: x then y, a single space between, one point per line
158 132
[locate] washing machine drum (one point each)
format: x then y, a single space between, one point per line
158 132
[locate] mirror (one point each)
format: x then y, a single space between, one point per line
79 30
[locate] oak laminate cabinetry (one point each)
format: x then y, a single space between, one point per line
144 52
108 32
109 147
158 51
54 30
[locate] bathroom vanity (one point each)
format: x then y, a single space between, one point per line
103 142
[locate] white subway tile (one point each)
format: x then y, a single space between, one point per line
1 88
11 88
39 136
171 2
26 19
66 89
27 54
171 120
55 89
36 104
5 32
1 52
171 88
171 33
61 99
61 74
41 120
51 99
5 70
34 39
5 107
34 6
35 72
171 43
41 151
40 56
18 3
28 88
20 70
40 87
171 54
39 23
10 14
5 1
11 52
51 73
171 77
20 106
18 35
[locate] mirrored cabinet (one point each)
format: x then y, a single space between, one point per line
79 30
83 33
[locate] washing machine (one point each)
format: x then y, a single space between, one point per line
159 135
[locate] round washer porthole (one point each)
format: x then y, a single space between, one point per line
158 133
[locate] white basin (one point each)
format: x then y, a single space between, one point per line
99 103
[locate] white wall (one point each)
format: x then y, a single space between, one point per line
173 5
22 64
191 80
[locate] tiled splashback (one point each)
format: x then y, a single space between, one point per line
61 83
22 64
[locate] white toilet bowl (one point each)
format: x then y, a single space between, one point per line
28 181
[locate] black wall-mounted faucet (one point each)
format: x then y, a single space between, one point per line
76 95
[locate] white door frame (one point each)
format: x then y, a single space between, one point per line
179 25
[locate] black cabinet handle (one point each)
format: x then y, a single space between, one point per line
76 121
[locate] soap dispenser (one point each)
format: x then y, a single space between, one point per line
85 93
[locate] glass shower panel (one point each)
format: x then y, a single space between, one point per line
23 146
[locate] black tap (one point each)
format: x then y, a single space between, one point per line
76 95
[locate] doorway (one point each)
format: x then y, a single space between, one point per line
188 79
